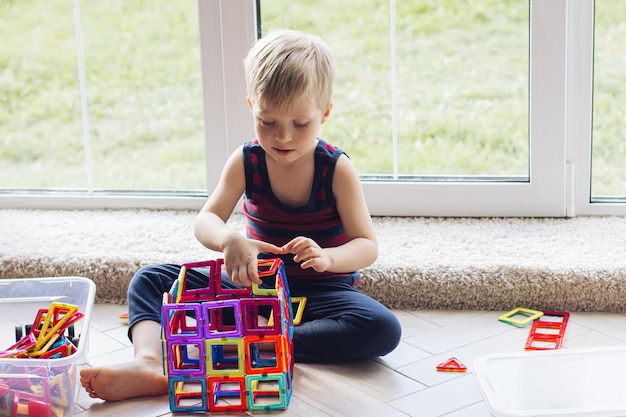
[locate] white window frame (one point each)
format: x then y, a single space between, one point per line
560 126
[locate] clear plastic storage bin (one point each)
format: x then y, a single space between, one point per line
36 386
566 382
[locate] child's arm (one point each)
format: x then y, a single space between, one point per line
361 250
240 253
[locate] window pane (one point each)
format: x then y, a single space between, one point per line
463 87
461 82
608 177
143 95
358 33
40 123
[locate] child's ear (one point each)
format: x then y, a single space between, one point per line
249 101
327 112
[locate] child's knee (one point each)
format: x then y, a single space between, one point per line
389 333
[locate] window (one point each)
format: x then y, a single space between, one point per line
143 95
465 108
408 105
595 168
39 100
608 179
103 98
534 188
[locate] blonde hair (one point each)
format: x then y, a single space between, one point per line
287 65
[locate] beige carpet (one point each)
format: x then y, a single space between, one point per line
489 264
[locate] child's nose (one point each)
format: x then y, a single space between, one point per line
283 135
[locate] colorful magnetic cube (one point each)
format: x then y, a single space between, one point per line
229 349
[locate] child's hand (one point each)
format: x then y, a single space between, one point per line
308 252
241 259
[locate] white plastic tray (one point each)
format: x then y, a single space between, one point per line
565 382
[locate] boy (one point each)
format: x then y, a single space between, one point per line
303 202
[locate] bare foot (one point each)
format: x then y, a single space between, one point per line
137 378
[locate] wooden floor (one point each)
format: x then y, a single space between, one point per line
404 383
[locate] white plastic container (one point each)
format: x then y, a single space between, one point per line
20 301
567 382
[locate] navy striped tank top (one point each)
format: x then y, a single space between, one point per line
271 221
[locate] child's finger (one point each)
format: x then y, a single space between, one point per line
253 274
268 247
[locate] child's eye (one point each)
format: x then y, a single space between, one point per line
301 125
266 122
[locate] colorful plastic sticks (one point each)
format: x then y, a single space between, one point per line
41 390
229 349
520 316
38 391
18 402
452 365
548 331
46 338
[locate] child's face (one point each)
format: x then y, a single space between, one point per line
286 133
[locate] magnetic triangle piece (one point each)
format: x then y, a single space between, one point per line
452 365
59 390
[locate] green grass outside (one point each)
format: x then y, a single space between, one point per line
609 121
143 89
462 82
461 73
